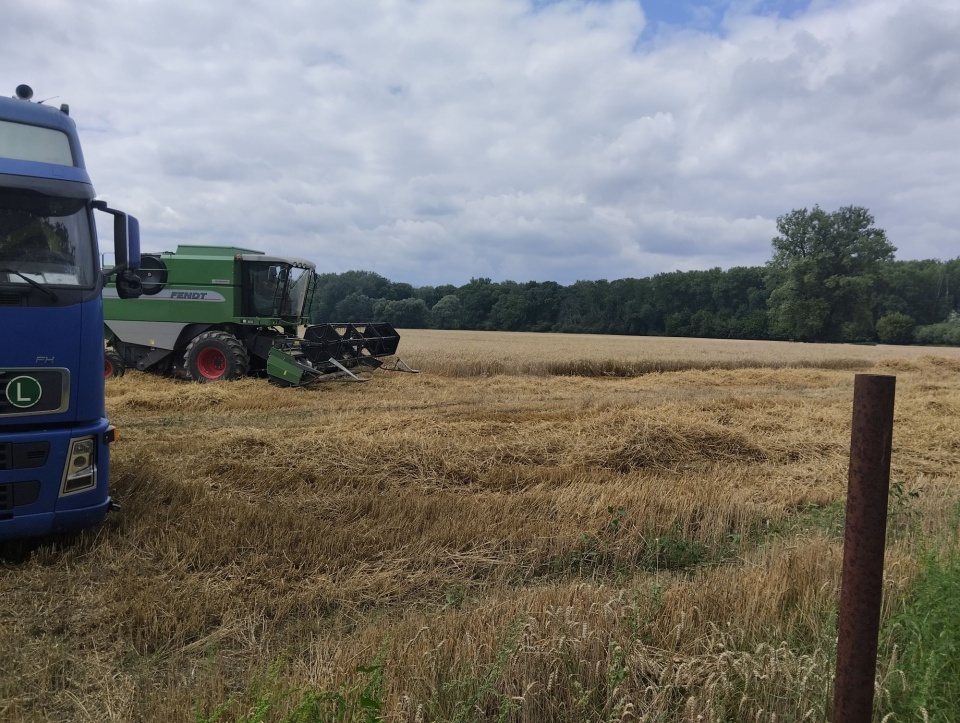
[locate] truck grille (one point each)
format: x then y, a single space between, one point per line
19 493
25 455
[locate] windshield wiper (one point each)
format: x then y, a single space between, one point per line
34 284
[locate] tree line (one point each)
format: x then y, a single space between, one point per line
832 278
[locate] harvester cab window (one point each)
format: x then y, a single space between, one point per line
263 290
45 239
274 290
298 286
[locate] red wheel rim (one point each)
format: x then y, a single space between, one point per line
107 369
211 363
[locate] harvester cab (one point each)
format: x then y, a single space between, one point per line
212 313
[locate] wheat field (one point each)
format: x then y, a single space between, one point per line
535 528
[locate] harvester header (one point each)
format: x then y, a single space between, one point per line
223 312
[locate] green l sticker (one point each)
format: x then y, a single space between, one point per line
23 391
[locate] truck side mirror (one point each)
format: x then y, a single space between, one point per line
126 239
126 250
126 236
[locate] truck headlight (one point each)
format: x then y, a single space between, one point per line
80 472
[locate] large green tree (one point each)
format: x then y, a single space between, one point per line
824 272
447 313
406 313
332 289
919 289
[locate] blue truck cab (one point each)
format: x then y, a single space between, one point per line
54 434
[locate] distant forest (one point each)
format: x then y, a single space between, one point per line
832 278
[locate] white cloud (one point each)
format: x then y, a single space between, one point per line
433 141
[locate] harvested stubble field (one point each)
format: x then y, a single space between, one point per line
537 528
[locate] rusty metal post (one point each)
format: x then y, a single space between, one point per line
861 590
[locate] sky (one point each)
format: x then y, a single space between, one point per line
433 141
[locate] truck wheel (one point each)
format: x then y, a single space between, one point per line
113 365
216 355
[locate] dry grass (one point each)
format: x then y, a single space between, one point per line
653 547
486 353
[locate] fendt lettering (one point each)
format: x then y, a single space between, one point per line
51 284
195 295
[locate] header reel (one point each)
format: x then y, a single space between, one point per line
329 351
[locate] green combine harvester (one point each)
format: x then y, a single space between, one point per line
217 313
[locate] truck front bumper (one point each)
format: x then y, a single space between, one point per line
38 493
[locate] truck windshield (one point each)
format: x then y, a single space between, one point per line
277 290
46 239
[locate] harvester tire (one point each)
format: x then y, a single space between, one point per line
113 365
214 356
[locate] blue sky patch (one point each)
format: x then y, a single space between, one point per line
698 15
